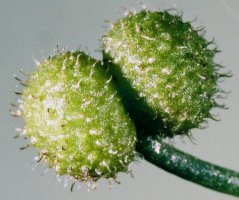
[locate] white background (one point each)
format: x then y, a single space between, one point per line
31 29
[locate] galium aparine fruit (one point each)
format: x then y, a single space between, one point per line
165 70
75 118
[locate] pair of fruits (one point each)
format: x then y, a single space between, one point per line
158 77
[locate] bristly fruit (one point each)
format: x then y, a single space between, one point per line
165 70
75 118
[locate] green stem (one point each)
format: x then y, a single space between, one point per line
188 167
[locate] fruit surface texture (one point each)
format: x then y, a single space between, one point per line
165 69
75 118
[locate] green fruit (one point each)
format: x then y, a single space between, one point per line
165 71
76 120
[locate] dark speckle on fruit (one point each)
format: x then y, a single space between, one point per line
164 69
76 120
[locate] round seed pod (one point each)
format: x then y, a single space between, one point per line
164 69
76 120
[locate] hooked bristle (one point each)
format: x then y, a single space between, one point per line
165 71
75 118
